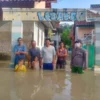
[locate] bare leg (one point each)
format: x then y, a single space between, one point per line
32 66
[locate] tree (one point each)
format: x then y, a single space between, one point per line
49 33
65 35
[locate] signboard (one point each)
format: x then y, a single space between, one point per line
44 14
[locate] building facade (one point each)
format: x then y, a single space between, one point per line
31 30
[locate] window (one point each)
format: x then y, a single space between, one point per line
88 38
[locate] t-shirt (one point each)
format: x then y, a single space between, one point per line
34 52
47 54
22 68
78 57
62 51
19 56
20 48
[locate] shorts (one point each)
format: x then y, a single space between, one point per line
47 66
77 69
61 62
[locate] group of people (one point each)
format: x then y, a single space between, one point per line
47 57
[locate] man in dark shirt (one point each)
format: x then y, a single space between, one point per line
33 52
78 58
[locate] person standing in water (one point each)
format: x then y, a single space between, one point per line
20 51
48 55
78 58
34 51
35 63
61 56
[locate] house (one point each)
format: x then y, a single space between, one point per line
88 31
84 30
31 30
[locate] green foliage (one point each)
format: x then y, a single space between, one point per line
50 32
65 35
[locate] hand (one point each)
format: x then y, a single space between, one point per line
17 52
21 52
61 55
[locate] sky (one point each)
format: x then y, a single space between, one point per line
74 3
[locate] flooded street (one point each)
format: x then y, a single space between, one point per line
48 85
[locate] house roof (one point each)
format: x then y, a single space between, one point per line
84 24
93 13
17 3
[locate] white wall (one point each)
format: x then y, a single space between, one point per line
39 4
35 31
39 34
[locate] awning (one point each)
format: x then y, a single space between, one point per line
84 24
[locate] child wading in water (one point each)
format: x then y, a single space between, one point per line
78 59
20 66
35 63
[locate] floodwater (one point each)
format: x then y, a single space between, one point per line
48 85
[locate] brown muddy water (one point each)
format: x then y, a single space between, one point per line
48 85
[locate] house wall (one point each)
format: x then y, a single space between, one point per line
39 4
39 31
80 31
5 37
97 43
28 33
31 31
28 29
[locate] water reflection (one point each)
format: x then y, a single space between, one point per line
48 85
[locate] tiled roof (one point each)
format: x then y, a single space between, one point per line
95 6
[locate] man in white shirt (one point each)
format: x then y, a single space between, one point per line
48 55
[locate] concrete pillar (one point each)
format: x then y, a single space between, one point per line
16 32
76 34
97 43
